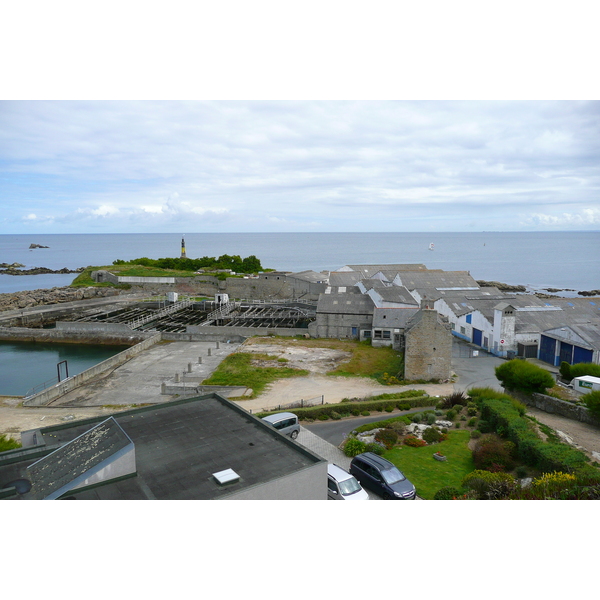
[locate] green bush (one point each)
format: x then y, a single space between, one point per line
503 414
580 369
475 434
335 415
447 493
524 376
565 371
431 419
365 413
592 402
353 447
432 435
7 443
471 422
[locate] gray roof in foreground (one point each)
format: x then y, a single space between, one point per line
179 445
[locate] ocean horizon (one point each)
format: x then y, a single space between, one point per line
538 260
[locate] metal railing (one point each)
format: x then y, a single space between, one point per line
175 307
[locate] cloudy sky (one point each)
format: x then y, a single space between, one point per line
169 166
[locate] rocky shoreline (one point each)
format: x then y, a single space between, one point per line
18 269
57 295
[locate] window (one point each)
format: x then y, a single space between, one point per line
469 316
462 330
377 334
387 335
367 334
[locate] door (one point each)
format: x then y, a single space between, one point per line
477 336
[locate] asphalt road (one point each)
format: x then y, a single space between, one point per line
471 371
334 432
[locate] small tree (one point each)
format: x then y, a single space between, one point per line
524 376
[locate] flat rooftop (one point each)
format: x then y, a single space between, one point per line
178 447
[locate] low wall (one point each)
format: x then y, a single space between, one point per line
184 389
60 389
555 406
80 335
246 332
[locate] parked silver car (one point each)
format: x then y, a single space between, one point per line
284 422
343 486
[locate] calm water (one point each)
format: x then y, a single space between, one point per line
557 259
25 365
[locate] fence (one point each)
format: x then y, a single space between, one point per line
298 404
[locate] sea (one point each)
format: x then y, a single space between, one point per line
567 261
538 260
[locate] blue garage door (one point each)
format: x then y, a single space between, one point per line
547 347
582 355
566 353
477 336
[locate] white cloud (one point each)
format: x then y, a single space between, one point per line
322 166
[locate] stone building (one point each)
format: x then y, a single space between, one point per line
428 347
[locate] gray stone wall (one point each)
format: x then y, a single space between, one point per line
555 406
428 349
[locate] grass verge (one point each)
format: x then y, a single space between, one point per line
429 475
237 369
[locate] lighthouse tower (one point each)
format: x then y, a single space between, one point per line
183 255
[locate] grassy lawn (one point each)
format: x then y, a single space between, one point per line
237 369
428 474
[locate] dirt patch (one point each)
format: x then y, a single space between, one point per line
296 356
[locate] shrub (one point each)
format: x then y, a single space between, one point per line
323 417
415 442
457 398
416 418
430 419
447 493
580 369
335 415
7 443
472 421
388 437
592 401
352 447
475 434
524 376
491 453
565 370
375 448
450 415
365 413
432 435
489 486
389 408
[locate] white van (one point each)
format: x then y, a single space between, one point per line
284 422
343 486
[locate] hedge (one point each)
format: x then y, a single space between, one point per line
503 413
356 408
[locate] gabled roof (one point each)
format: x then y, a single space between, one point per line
310 276
345 303
370 270
384 297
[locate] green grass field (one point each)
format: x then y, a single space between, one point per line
237 369
429 475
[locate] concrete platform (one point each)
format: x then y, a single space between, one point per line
139 380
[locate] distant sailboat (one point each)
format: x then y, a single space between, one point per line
431 246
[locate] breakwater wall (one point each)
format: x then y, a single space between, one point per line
102 334
47 396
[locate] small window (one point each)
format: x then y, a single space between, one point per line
469 316
367 334
377 334
387 335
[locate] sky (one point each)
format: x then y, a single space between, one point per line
168 166
415 120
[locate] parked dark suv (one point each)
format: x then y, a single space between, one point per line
381 476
